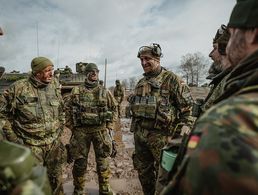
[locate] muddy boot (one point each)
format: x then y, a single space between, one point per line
78 192
105 190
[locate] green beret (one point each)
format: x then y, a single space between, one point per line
244 14
40 63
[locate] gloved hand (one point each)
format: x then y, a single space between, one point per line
68 151
114 150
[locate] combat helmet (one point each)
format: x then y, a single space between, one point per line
90 67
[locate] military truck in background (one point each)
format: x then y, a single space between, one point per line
68 79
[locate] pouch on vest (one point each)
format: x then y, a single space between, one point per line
144 107
90 119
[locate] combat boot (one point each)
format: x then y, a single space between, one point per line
105 190
79 192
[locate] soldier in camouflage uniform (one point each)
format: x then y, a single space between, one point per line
222 151
34 118
92 111
218 54
160 107
119 96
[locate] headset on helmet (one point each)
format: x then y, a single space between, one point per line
154 48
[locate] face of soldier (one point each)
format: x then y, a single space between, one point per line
215 55
45 75
93 75
149 64
236 47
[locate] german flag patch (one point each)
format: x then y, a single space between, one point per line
194 140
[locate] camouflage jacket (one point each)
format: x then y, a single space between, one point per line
33 112
85 103
162 103
119 93
216 91
222 151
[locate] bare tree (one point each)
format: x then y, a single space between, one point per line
132 82
125 84
194 68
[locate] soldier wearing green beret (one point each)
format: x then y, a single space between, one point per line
92 111
34 117
221 155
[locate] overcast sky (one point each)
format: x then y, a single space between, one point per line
92 30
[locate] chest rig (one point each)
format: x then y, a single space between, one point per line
153 103
90 107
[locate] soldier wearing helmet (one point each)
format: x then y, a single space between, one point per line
92 112
161 109
221 152
119 96
219 52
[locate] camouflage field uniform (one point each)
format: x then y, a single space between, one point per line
119 96
35 116
93 111
222 151
216 91
160 106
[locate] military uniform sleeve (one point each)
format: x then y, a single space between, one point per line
112 106
223 155
184 101
7 112
69 103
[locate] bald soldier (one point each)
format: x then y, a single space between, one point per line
222 151
34 118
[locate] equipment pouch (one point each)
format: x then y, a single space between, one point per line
90 119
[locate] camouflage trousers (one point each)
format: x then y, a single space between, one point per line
52 157
146 157
80 147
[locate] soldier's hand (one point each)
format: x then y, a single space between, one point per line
114 150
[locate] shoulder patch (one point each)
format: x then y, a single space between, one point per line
193 141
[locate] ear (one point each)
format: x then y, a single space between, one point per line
252 36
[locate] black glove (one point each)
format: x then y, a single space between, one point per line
68 152
114 150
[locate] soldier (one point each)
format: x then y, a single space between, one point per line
219 52
160 108
221 156
101 83
68 70
119 96
34 118
92 112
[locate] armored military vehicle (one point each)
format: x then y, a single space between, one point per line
8 78
68 79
